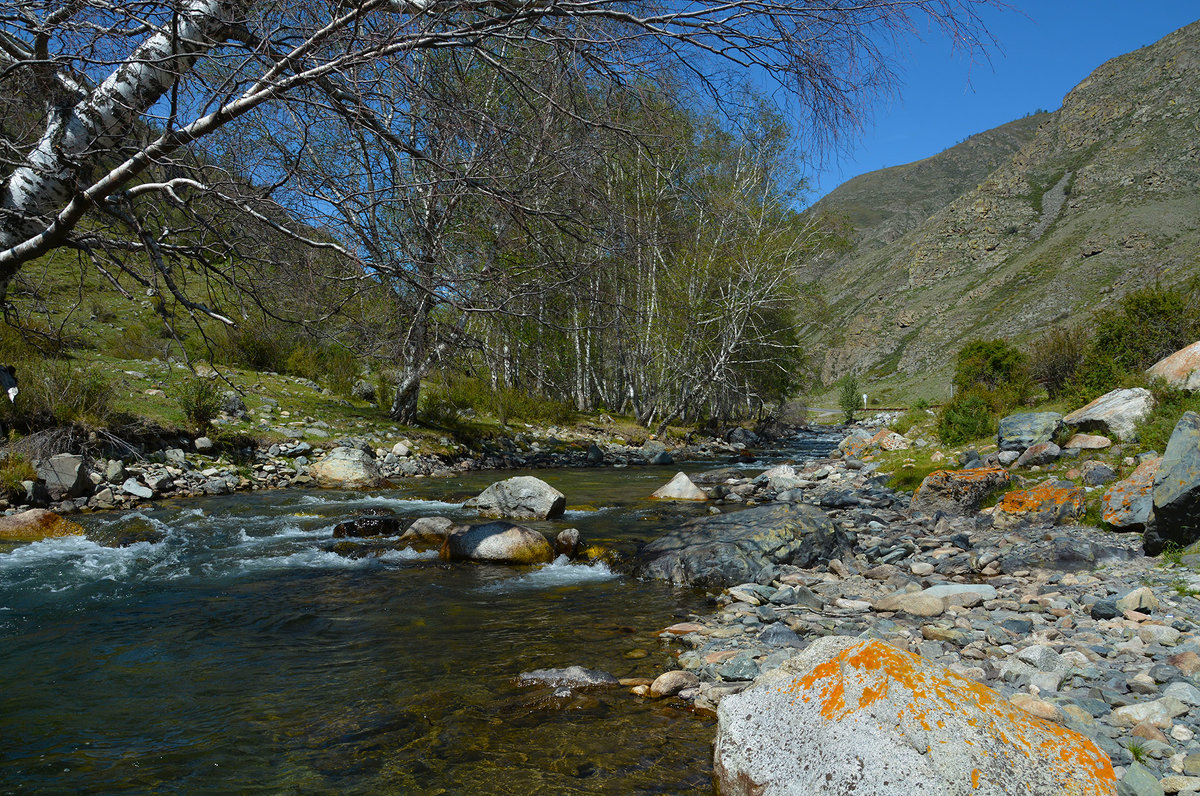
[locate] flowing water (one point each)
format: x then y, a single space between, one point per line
241 654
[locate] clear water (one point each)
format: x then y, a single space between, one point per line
240 654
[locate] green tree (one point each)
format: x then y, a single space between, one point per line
848 396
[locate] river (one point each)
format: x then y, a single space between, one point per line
241 654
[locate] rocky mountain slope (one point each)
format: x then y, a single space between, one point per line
1104 198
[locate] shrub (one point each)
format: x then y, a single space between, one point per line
15 468
60 392
201 400
967 416
259 347
912 417
848 396
1055 356
331 365
995 365
1169 405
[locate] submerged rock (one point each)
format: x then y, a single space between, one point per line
376 522
863 717
523 497
733 548
35 524
571 676
499 543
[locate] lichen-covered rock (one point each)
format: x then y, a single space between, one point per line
959 492
679 488
1181 369
1127 504
498 543
346 468
856 443
1116 413
523 498
727 549
1026 429
35 524
888 440
1051 502
1176 492
863 717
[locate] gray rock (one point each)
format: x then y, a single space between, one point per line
779 635
429 530
1176 492
662 458
733 548
679 488
498 542
1139 781
232 404
346 468
203 444
959 492
1041 453
114 471
65 476
1114 414
1023 430
522 497
594 454
1097 473
132 487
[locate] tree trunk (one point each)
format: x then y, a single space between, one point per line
404 404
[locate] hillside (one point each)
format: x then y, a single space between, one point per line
880 206
1102 199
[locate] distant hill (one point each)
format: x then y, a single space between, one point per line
1104 197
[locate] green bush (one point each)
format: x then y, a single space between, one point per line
200 399
15 468
331 365
1169 405
848 396
912 417
256 346
1054 358
996 366
967 416
59 393
449 396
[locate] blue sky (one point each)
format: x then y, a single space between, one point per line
1045 49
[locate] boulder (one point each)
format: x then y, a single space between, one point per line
429 531
232 404
1041 453
567 543
133 487
959 492
346 468
1176 493
888 440
1127 504
671 683
523 498
780 479
66 476
1026 429
1088 442
497 543
856 443
370 523
680 488
1181 369
34 524
727 549
1116 413
863 717
1051 502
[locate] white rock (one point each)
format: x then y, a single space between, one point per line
680 488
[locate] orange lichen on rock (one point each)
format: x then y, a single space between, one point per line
959 490
1051 501
872 679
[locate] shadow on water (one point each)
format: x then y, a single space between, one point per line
238 654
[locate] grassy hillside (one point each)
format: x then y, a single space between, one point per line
1103 199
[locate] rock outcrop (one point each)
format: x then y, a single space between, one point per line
733 548
863 717
522 498
959 492
1180 369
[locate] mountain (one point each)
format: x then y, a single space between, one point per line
1102 198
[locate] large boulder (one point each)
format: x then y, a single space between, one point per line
1127 504
959 492
1048 503
35 524
66 476
1181 369
346 468
1177 489
728 549
1116 413
863 717
497 543
679 488
522 498
1026 429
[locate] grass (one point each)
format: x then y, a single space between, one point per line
1138 751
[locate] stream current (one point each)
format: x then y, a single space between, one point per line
241 654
